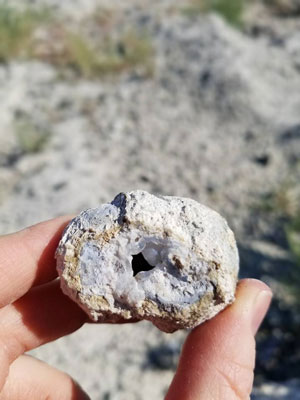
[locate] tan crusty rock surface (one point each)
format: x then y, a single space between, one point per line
169 260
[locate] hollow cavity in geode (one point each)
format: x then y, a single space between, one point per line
169 260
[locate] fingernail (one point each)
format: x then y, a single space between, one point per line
259 309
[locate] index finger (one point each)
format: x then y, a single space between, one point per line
27 258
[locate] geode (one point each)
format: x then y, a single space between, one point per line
169 260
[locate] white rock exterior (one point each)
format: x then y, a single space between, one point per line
169 260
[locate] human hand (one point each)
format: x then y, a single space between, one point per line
217 360
33 311
218 357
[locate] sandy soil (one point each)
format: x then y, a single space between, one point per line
212 123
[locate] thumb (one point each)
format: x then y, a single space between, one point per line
218 357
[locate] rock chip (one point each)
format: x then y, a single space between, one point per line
169 260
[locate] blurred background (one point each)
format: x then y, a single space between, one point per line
196 98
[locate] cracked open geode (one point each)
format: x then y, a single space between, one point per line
169 260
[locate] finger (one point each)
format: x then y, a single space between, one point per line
30 379
42 315
218 357
27 258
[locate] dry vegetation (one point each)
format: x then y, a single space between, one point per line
16 30
37 35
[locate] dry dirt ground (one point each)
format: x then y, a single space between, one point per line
217 120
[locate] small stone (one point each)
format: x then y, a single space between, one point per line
169 260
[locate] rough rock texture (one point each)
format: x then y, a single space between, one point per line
169 260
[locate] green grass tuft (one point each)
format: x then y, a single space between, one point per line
293 238
230 10
69 49
107 56
137 51
30 138
79 56
16 30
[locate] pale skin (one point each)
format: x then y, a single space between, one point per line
217 359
